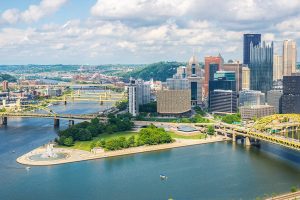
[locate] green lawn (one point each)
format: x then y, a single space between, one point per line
199 136
85 145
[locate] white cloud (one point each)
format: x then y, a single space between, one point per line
33 13
148 30
146 9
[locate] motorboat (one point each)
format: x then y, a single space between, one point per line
163 177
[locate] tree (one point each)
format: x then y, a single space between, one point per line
210 130
131 141
95 121
68 141
122 105
84 135
93 129
149 107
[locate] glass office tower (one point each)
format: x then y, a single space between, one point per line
255 39
261 67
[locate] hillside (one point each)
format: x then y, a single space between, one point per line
158 71
7 77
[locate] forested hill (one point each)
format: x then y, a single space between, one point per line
7 77
158 71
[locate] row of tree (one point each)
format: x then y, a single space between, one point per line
85 131
146 136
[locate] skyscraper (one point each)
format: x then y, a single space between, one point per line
210 63
237 68
277 67
224 80
246 78
255 39
223 101
261 67
289 57
138 94
291 94
224 83
5 85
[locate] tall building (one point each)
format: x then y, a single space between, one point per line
223 101
274 98
138 94
289 57
238 69
5 85
210 63
178 83
246 78
261 67
173 102
224 80
277 67
192 72
291 94
255 39
251 98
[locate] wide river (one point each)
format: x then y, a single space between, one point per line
211 171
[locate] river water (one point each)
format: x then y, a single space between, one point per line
211 171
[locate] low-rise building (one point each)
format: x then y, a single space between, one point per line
251 98
173 102
256 111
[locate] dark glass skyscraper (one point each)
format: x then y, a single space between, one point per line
261 67
255 39
223 80
291 94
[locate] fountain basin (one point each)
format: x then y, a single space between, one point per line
40 157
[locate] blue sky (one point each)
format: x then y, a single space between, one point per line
138 31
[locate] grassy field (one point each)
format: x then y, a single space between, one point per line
199 136
85 145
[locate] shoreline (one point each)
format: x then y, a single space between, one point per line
75 155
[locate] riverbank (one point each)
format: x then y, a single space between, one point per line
75 155
288 196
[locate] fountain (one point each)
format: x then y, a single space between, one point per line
48 155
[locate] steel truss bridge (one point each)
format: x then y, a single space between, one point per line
280 129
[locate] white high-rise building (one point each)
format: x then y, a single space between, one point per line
138 94
289 58
277 67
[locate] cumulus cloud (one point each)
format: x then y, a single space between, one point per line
33 13
135 31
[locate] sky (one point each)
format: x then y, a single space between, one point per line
138 31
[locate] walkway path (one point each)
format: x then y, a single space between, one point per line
79 155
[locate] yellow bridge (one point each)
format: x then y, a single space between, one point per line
55 116
90 96
280 129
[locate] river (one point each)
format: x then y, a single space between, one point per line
211 171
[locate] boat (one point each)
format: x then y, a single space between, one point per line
27 168
163 177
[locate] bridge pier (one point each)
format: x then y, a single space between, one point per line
4 121
248 142
71 123
56 122
65 102
233 137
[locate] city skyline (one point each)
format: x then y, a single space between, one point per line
72 32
